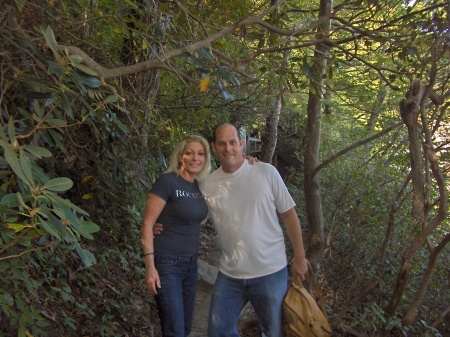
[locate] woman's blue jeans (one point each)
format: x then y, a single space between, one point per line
176 297
230 295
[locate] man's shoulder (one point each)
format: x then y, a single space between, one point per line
262 166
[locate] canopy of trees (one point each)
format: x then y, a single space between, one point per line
349 97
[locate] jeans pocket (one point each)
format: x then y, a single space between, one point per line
163 260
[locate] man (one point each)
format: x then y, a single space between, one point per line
244 202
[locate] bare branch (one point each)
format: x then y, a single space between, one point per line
354 146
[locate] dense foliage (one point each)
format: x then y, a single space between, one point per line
95 93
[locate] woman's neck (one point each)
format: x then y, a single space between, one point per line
186 176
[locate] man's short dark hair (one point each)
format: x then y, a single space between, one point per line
218 126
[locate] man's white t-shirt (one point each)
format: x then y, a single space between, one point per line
243 206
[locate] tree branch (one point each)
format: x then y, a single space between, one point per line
353 146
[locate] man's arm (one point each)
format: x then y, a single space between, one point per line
294 232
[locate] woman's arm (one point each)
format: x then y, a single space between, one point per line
153 208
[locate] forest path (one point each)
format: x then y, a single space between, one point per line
207 267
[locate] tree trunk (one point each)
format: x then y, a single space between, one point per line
377 107
409 110
313 200
271 132
270 136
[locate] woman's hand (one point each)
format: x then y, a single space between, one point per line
152 280
251 159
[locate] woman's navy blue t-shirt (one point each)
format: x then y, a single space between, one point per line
185 209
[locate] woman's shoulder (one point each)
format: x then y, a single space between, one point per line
165 178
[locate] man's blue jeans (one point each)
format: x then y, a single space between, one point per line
230 295
176 297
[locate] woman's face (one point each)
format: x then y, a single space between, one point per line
193 159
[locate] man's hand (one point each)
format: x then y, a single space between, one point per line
157 229
300 267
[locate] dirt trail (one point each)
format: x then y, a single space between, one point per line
209 259
207 267
200 323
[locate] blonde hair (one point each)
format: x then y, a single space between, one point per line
180 149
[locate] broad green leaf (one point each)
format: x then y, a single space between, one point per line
8 299
57 138
4 143
49 227
37 151
86 228
111 99
12 160
76 58
60 202
91 82
4 266
11 128
22 202
198 62
25 113
51 42
36 82
11 200
56 122
85 69
66 105
58 223
87 257
58 184
39 110
121 125
26 167
67 297
7 210
203 52
3 134
55 68
225 74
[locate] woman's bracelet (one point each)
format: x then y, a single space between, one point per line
148 254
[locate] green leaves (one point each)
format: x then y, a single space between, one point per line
58 184
20 166
51 42
36 201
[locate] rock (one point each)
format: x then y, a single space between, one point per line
207 272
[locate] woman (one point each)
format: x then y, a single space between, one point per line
170 258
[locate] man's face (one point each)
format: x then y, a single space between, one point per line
228 148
